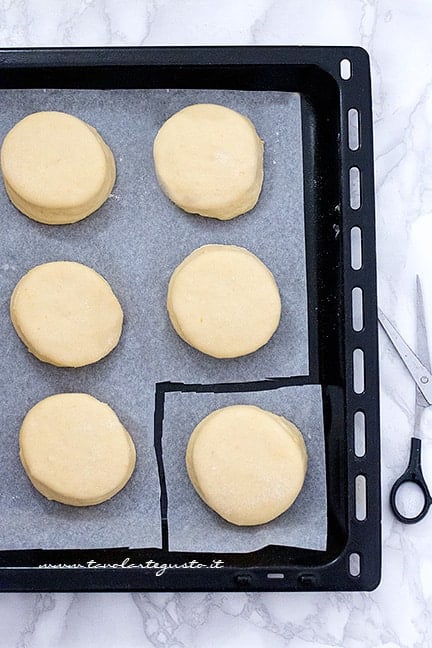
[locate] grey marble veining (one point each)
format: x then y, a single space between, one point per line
397 36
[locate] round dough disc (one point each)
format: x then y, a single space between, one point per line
75 450
224 301
246 463
56 168
209 161
66 314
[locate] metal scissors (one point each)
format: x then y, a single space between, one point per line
419 368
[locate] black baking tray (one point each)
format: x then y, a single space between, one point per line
352 560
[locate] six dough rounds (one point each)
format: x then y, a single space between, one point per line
56 168
246 463
209 161
75 450
66 314
224 301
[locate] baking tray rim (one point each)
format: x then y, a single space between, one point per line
328 60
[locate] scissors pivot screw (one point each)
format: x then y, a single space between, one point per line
424 380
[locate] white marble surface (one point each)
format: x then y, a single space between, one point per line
397 35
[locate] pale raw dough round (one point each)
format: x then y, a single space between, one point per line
75 450
66 314
224 301
56 168
246 463
209 161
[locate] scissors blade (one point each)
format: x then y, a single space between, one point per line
422 346
418 371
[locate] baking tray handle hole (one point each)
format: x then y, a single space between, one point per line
354 564
356 248
360 498
358 371
359 434
357 308
345 69
355 188
353 129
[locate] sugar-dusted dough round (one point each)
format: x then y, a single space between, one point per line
209 161
246 463
224 301
66 314
56 168
75 450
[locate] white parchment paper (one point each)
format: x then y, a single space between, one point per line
135 240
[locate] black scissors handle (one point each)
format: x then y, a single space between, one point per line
413 474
